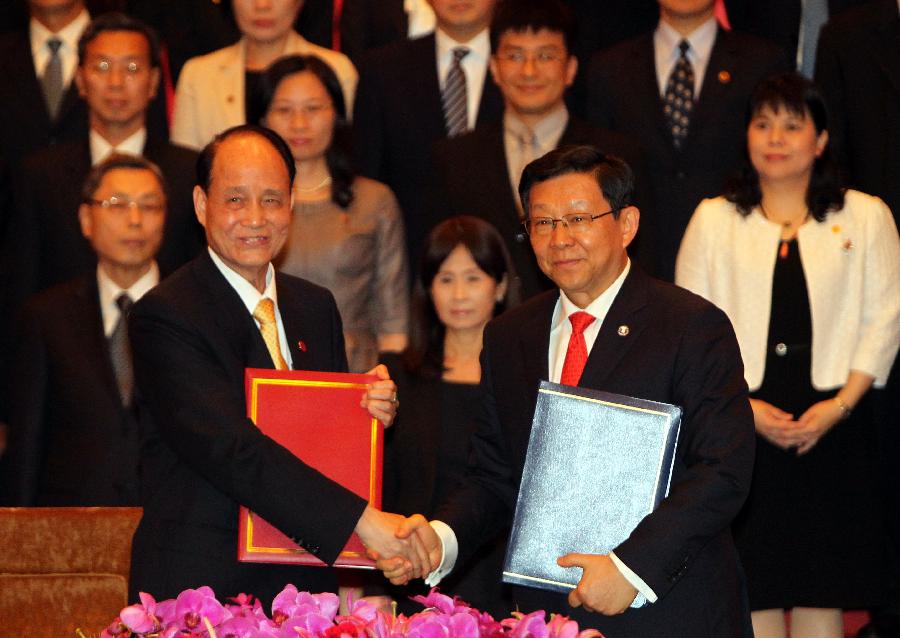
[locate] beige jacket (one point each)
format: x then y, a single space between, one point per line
210 93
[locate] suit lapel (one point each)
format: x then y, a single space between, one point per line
422 81
885 44
30 92
645 87
293 316
723 64
86 319
231 315
623 317
534 342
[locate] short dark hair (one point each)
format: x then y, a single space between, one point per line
534 15
208 154
799 96
117 21
613 175
425 353
338 155
112 162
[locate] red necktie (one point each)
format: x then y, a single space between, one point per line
576 354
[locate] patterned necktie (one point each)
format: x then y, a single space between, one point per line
265 315
679 98
120 351
52 80
454 98
576 353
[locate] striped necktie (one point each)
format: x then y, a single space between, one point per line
454 97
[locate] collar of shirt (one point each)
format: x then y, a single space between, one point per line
251 297
561 327
516 134
101 149
474 66
420 18
68 50
665 45
110 291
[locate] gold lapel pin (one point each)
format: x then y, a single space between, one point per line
724 77
623 330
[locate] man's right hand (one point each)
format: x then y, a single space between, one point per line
425 544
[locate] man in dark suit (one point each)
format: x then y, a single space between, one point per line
628 87
74 438
27 121
192 337
398 112
681 557
478 173
117 76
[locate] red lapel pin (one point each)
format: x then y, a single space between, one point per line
302 345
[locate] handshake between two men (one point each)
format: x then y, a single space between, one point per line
406 548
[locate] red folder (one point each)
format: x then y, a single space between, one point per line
315 415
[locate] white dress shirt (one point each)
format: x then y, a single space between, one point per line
101 149
560 332
474 66
110 291
68 50
665 45
251 298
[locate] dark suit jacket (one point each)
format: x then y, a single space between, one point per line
369 24
776 20
683 551
25 124
398 116
469 176
45 243
72 442
858 68
202 457
416 475
623 95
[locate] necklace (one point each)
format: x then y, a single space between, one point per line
786 226
313 189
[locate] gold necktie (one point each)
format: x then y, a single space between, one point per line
265 315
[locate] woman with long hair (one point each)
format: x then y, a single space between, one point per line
347 232
464 281
809 274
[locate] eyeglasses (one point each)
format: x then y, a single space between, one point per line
576 223
103 67
517 56
122 205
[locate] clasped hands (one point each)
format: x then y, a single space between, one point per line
779 427
403 548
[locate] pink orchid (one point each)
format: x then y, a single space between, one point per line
563 627
441 602
141 618
116 629
291 602
193 605
528 626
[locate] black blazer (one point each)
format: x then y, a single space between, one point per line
415 477
469 176
25 124
71 440
201 456
397 118
683 551
858 68
45 243
369 24
623 95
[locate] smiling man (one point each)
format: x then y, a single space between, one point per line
193 337
74 435
677 575
478 173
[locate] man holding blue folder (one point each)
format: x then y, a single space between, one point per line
612 328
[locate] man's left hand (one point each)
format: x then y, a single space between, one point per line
602 588
381 397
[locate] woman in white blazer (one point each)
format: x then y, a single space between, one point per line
809 275
212 93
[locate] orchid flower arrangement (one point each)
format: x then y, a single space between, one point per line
196 613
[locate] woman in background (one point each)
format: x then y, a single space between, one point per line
463 282
217 91
347 231
809 275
